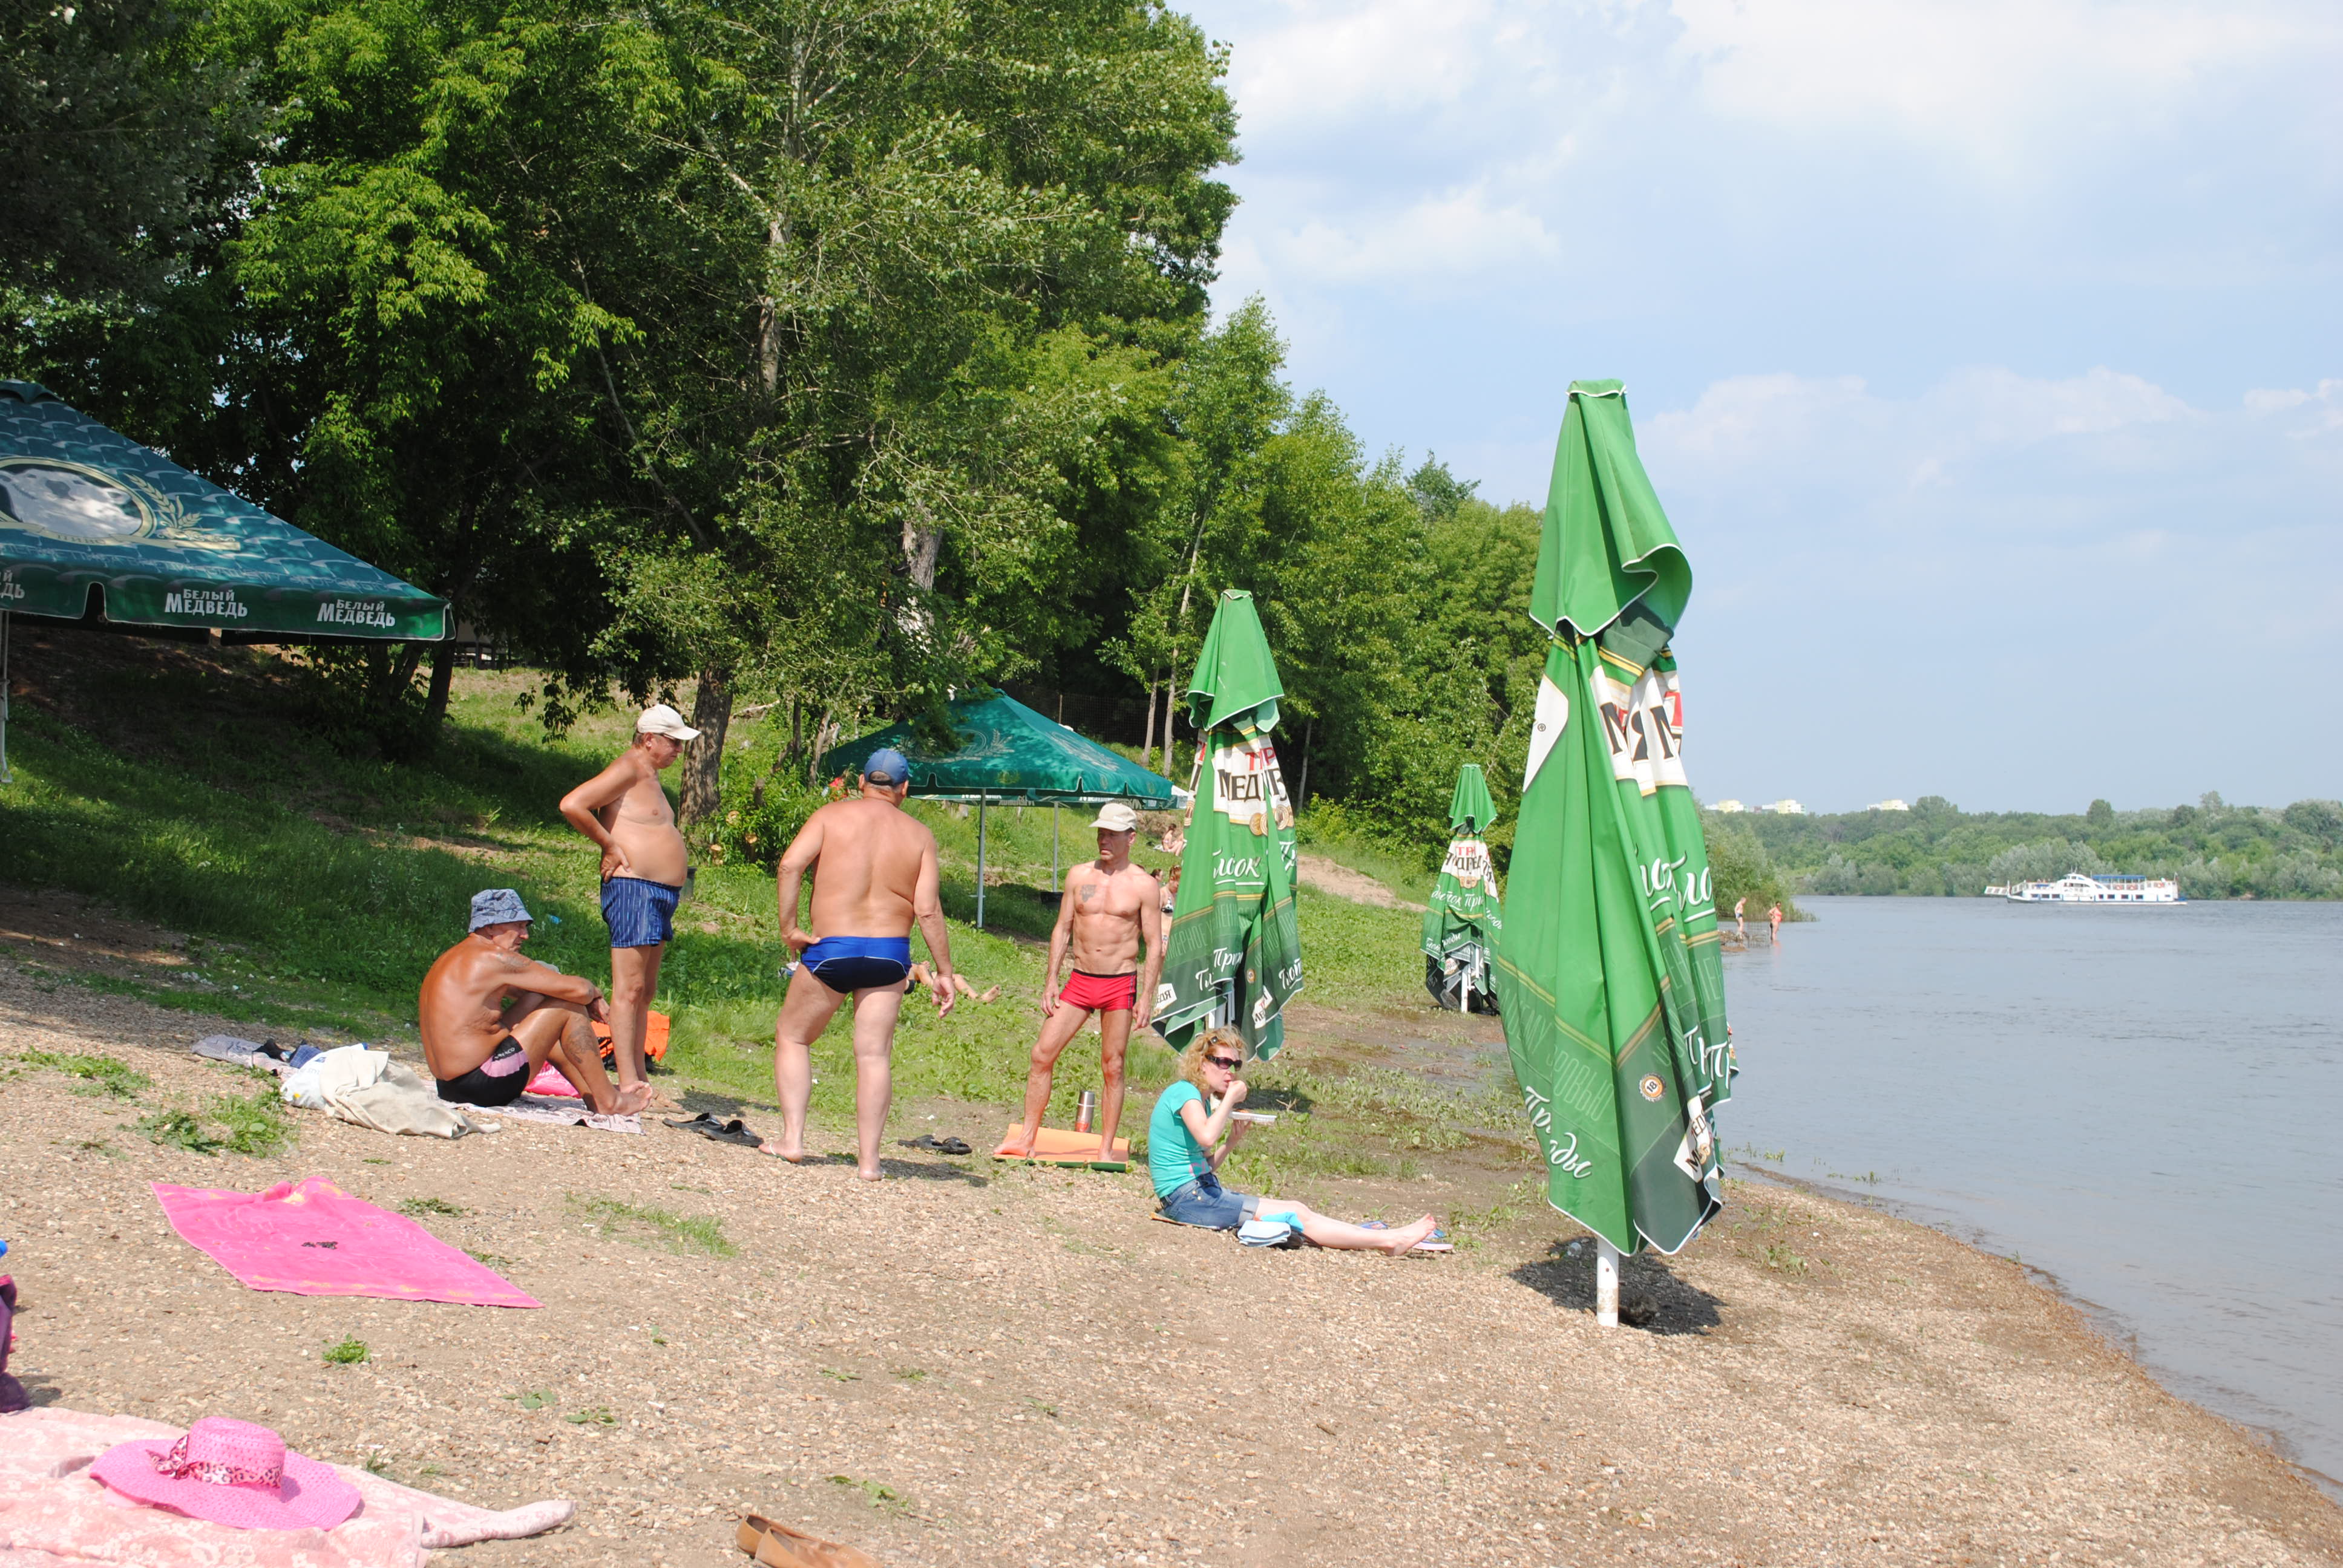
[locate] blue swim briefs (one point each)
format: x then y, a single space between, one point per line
859 964
639 914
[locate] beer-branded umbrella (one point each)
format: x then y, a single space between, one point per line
1234 952
1609 974
1462 919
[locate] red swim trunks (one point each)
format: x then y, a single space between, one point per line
1106 993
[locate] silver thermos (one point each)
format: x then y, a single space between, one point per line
1085 1110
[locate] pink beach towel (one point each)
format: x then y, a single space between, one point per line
315 1239
51 1512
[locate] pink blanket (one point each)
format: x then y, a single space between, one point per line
315 1239
550 1080
52 1512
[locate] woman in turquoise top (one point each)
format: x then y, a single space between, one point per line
1191 1132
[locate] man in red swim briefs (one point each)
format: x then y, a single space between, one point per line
1108 910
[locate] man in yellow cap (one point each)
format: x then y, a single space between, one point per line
1108 912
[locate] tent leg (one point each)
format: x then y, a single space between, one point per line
980 862
6 776
1606 1285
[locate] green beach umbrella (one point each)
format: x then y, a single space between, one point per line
1462 919
1613 990
1005 753
1234 952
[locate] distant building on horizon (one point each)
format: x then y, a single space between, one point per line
1887 806
1728 806
1784 807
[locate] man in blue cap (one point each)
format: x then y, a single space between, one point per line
874 873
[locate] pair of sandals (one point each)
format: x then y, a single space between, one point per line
722 1131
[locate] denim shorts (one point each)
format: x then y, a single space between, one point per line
1204 1201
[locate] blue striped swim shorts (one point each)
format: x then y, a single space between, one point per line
639 914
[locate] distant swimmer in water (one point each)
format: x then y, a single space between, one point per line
1775 915
1740 927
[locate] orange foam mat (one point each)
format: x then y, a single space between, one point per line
1062 1144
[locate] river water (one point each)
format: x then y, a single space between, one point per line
2140 1102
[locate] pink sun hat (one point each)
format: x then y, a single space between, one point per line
231 1472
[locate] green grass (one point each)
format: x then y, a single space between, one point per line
99 1074
317 884
348 1353
416 1208
254 1125
676 1232
532 1399
883 1497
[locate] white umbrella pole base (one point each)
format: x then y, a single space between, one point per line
1606 1285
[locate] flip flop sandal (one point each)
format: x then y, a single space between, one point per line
941 1145
734 1131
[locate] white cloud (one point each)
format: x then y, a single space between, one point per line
1987 78
1457 235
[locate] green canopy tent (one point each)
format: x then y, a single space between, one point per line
95 527
1008 754
1609 974
1234 953
1461 921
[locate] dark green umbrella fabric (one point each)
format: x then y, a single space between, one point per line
1009 753
1235 951
1609 975
84 508
1463 918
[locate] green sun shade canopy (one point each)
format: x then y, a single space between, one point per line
1464 909
82 507
1608 971
1010 754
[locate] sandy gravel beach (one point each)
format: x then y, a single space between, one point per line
970 1365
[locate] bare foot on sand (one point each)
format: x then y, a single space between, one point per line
1406 1237
769 1147
632 1100
867 1175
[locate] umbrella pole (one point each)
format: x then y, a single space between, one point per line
1606 1285
980 862
1053 846
6 776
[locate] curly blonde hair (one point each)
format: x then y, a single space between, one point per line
1192 1060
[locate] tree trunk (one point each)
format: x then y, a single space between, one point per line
703 759
443 680
1303 790
1147 742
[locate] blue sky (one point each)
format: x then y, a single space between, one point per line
1988 355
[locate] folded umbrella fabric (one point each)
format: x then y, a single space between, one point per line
315 1240
53 1511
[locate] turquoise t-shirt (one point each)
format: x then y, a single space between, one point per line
1174 1157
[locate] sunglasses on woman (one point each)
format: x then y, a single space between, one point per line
1228 1063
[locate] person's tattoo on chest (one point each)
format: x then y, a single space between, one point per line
1088 892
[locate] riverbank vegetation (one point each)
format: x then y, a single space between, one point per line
2213 849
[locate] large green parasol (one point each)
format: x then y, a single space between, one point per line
1462 921
1613 990
1234 954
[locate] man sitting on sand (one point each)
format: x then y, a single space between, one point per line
1106 911
874 872
491 1018
1197 1123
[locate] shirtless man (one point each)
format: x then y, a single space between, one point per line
1106 911
491 1019
874 872
623 810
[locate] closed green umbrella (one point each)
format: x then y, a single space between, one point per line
1461 921
1609 973
1234 954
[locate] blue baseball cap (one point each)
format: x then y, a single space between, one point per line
889 767
496 906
